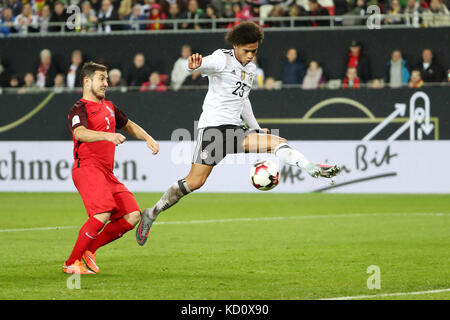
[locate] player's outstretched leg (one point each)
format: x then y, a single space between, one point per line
266 143
195 179
294 158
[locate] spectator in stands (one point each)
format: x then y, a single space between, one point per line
293 69
16 7
430 70
46 70
107 13
74 72
59 15
58 83
413 13
195 79
124 9
179 72
258 81
315 77
173 14
227 14
115 78
154 83
269 84
356 8
194 13
394 14
296 11
245 12
156 14
44 19
88 19
357 59
276 12
376 84
397 70
139 72
351 80
210 14
26 21
437 15
14 81
416 79
7 22
134 17
29 85
316 10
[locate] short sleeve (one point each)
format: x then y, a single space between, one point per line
121 118
78 116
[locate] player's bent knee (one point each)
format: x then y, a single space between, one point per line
196 184
133 217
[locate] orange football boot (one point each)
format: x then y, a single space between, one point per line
89 259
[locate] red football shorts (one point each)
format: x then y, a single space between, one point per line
102 192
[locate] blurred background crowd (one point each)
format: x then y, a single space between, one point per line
29 16
138 75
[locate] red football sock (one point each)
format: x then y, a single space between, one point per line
112 231
88 233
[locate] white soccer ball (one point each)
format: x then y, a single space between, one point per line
264 175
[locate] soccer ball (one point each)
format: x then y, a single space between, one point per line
264 175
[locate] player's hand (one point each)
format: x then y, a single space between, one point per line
266 130
195 61
153 145
116 138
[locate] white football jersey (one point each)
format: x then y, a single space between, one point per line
229 86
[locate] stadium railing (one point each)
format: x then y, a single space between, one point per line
22 90
376 21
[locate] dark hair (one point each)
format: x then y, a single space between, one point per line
89 68
245 33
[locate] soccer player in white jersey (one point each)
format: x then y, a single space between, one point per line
220 129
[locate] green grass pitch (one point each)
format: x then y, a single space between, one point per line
235 246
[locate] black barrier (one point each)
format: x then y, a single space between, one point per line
162 50
371 114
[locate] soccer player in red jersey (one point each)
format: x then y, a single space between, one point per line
93 121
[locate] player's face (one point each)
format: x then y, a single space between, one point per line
99 84
246 52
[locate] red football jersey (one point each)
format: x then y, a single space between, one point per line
103 116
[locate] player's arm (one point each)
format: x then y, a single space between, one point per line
139 133
207 65
82 134
249 117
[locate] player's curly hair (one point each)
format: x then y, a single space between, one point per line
244 33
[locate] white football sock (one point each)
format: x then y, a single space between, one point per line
290 156
175 192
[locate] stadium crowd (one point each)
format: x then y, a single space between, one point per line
356 72
24 16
